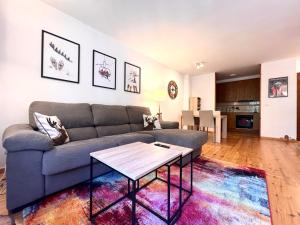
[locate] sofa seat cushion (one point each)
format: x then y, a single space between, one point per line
185 138
73 155
112 130
128 138
169 125
76 154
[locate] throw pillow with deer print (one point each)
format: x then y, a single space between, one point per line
151 122
53 127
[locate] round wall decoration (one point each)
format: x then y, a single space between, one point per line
172 89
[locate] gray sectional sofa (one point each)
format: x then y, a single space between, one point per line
36 168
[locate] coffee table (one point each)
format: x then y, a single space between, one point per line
186 152
135 161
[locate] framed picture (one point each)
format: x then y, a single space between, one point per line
60 58
104 70
132 78
278 87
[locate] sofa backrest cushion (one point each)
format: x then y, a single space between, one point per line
110 119
77 118
135 115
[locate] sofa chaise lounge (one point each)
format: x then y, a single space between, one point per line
36 168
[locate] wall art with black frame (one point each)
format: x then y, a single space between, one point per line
132 78
60 58
104 70
278 87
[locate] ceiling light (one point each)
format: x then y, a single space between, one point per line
200 65
233 75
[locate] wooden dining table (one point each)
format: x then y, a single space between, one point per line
220 125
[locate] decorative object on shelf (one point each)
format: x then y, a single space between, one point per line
132 78
172 89
60 58
195 104
104 70
278 87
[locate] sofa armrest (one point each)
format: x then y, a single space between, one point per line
22 137
169 125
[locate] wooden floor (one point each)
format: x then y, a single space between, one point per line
279 159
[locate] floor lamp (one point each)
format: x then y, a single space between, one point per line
159 96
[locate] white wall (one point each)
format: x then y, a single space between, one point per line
21 23
186 92
279 115
204 86
298 65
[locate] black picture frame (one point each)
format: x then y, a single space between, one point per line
115 70
76 45
127 89
278 84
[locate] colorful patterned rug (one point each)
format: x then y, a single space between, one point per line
223 194
5 220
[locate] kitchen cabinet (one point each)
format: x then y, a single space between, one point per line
242 90
231 121
256 121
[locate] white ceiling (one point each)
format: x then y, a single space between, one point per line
226 34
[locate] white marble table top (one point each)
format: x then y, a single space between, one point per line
137 159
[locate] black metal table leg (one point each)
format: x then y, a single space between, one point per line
133 216
135 187
91 188
180 185
191 172
169 194
128 186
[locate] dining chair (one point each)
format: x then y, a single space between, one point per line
187 119
206 120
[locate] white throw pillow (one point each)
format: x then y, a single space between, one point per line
51 126
151 122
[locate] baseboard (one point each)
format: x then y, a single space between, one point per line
278 139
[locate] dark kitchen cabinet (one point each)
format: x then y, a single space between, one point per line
238 91
231 121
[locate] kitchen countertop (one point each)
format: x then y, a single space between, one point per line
237 112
